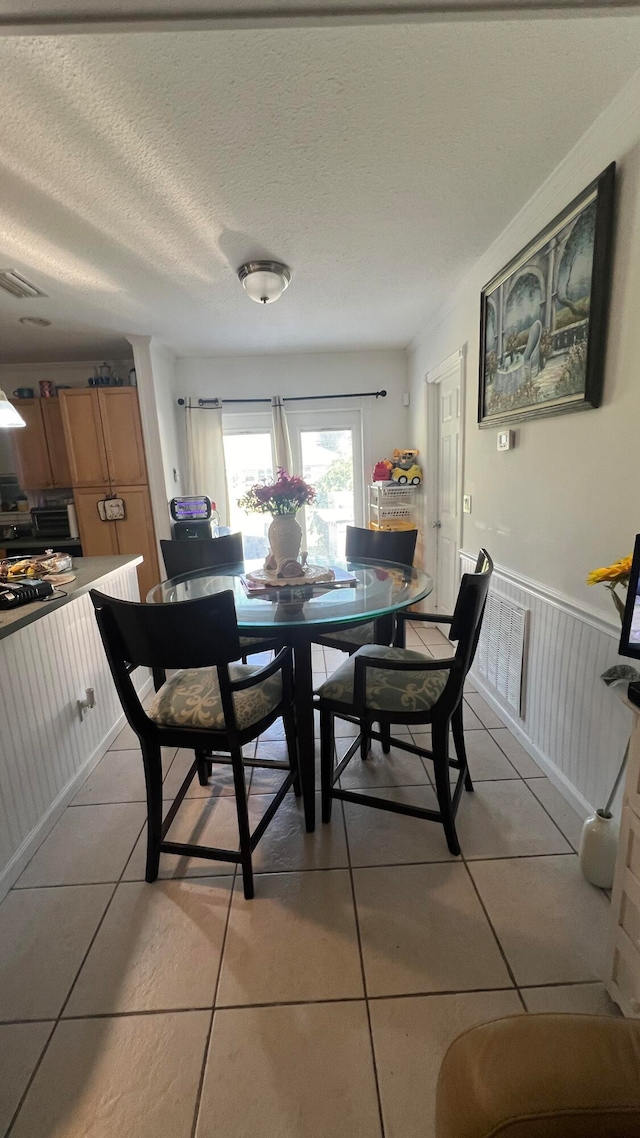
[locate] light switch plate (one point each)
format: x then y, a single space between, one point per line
506 440
466 503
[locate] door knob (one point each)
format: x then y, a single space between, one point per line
436 525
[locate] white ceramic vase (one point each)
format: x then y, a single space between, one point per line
598 849
285 539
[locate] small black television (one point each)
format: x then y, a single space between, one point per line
630 637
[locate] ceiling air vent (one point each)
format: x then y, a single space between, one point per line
13 283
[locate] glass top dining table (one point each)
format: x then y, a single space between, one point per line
295 615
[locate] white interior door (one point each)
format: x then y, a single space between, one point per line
444 532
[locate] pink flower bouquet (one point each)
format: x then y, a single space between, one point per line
286 495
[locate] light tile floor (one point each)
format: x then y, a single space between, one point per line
322 1007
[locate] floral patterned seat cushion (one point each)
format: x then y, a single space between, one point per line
388 691
362 634
253 644
191 698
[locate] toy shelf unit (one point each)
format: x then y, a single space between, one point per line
392 507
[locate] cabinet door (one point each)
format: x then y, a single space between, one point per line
32 456
136 534
56 445
98 538
120 415
84 438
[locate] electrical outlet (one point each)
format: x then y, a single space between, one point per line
466 503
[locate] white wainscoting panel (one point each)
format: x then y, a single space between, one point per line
571 723
46 749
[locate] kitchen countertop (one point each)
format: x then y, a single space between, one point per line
90 572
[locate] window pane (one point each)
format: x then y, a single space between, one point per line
248 459
327 463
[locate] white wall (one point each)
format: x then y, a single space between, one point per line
386 423
163 368
75 374
565 500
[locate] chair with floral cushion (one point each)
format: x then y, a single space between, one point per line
457 725
399 685
207 703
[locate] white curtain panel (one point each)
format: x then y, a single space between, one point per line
207 473
281 434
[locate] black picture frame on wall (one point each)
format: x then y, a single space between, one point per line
544 316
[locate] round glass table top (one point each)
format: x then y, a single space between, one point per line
369 590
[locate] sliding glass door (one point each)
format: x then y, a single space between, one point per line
326 449
248 456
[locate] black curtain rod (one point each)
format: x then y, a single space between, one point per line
204 403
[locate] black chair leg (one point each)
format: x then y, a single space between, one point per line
152 759
385 731
242 807
289 723
204 767
326 762
365 741
440 746
457 730
159 678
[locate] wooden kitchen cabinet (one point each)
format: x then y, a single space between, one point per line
56 444
136 534
120 414
40 448
98 538
30 442
106 455
84 437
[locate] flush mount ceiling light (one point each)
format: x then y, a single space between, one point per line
9 417
264 281
36 321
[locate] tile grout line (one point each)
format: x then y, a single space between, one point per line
207 1043
72 986
556 824
495 935
363 974
418 994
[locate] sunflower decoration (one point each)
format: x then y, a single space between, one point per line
611 577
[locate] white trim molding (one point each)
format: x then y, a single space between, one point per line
574 726
453 363
151 433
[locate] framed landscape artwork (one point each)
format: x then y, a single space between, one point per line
543 318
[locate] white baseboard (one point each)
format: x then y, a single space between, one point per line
554 774
31 843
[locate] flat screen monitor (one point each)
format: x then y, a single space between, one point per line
630 638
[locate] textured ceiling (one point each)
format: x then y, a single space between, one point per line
139 171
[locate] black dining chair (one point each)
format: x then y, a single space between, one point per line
207 704
399 640
204 553
364 545
399 685
182 557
